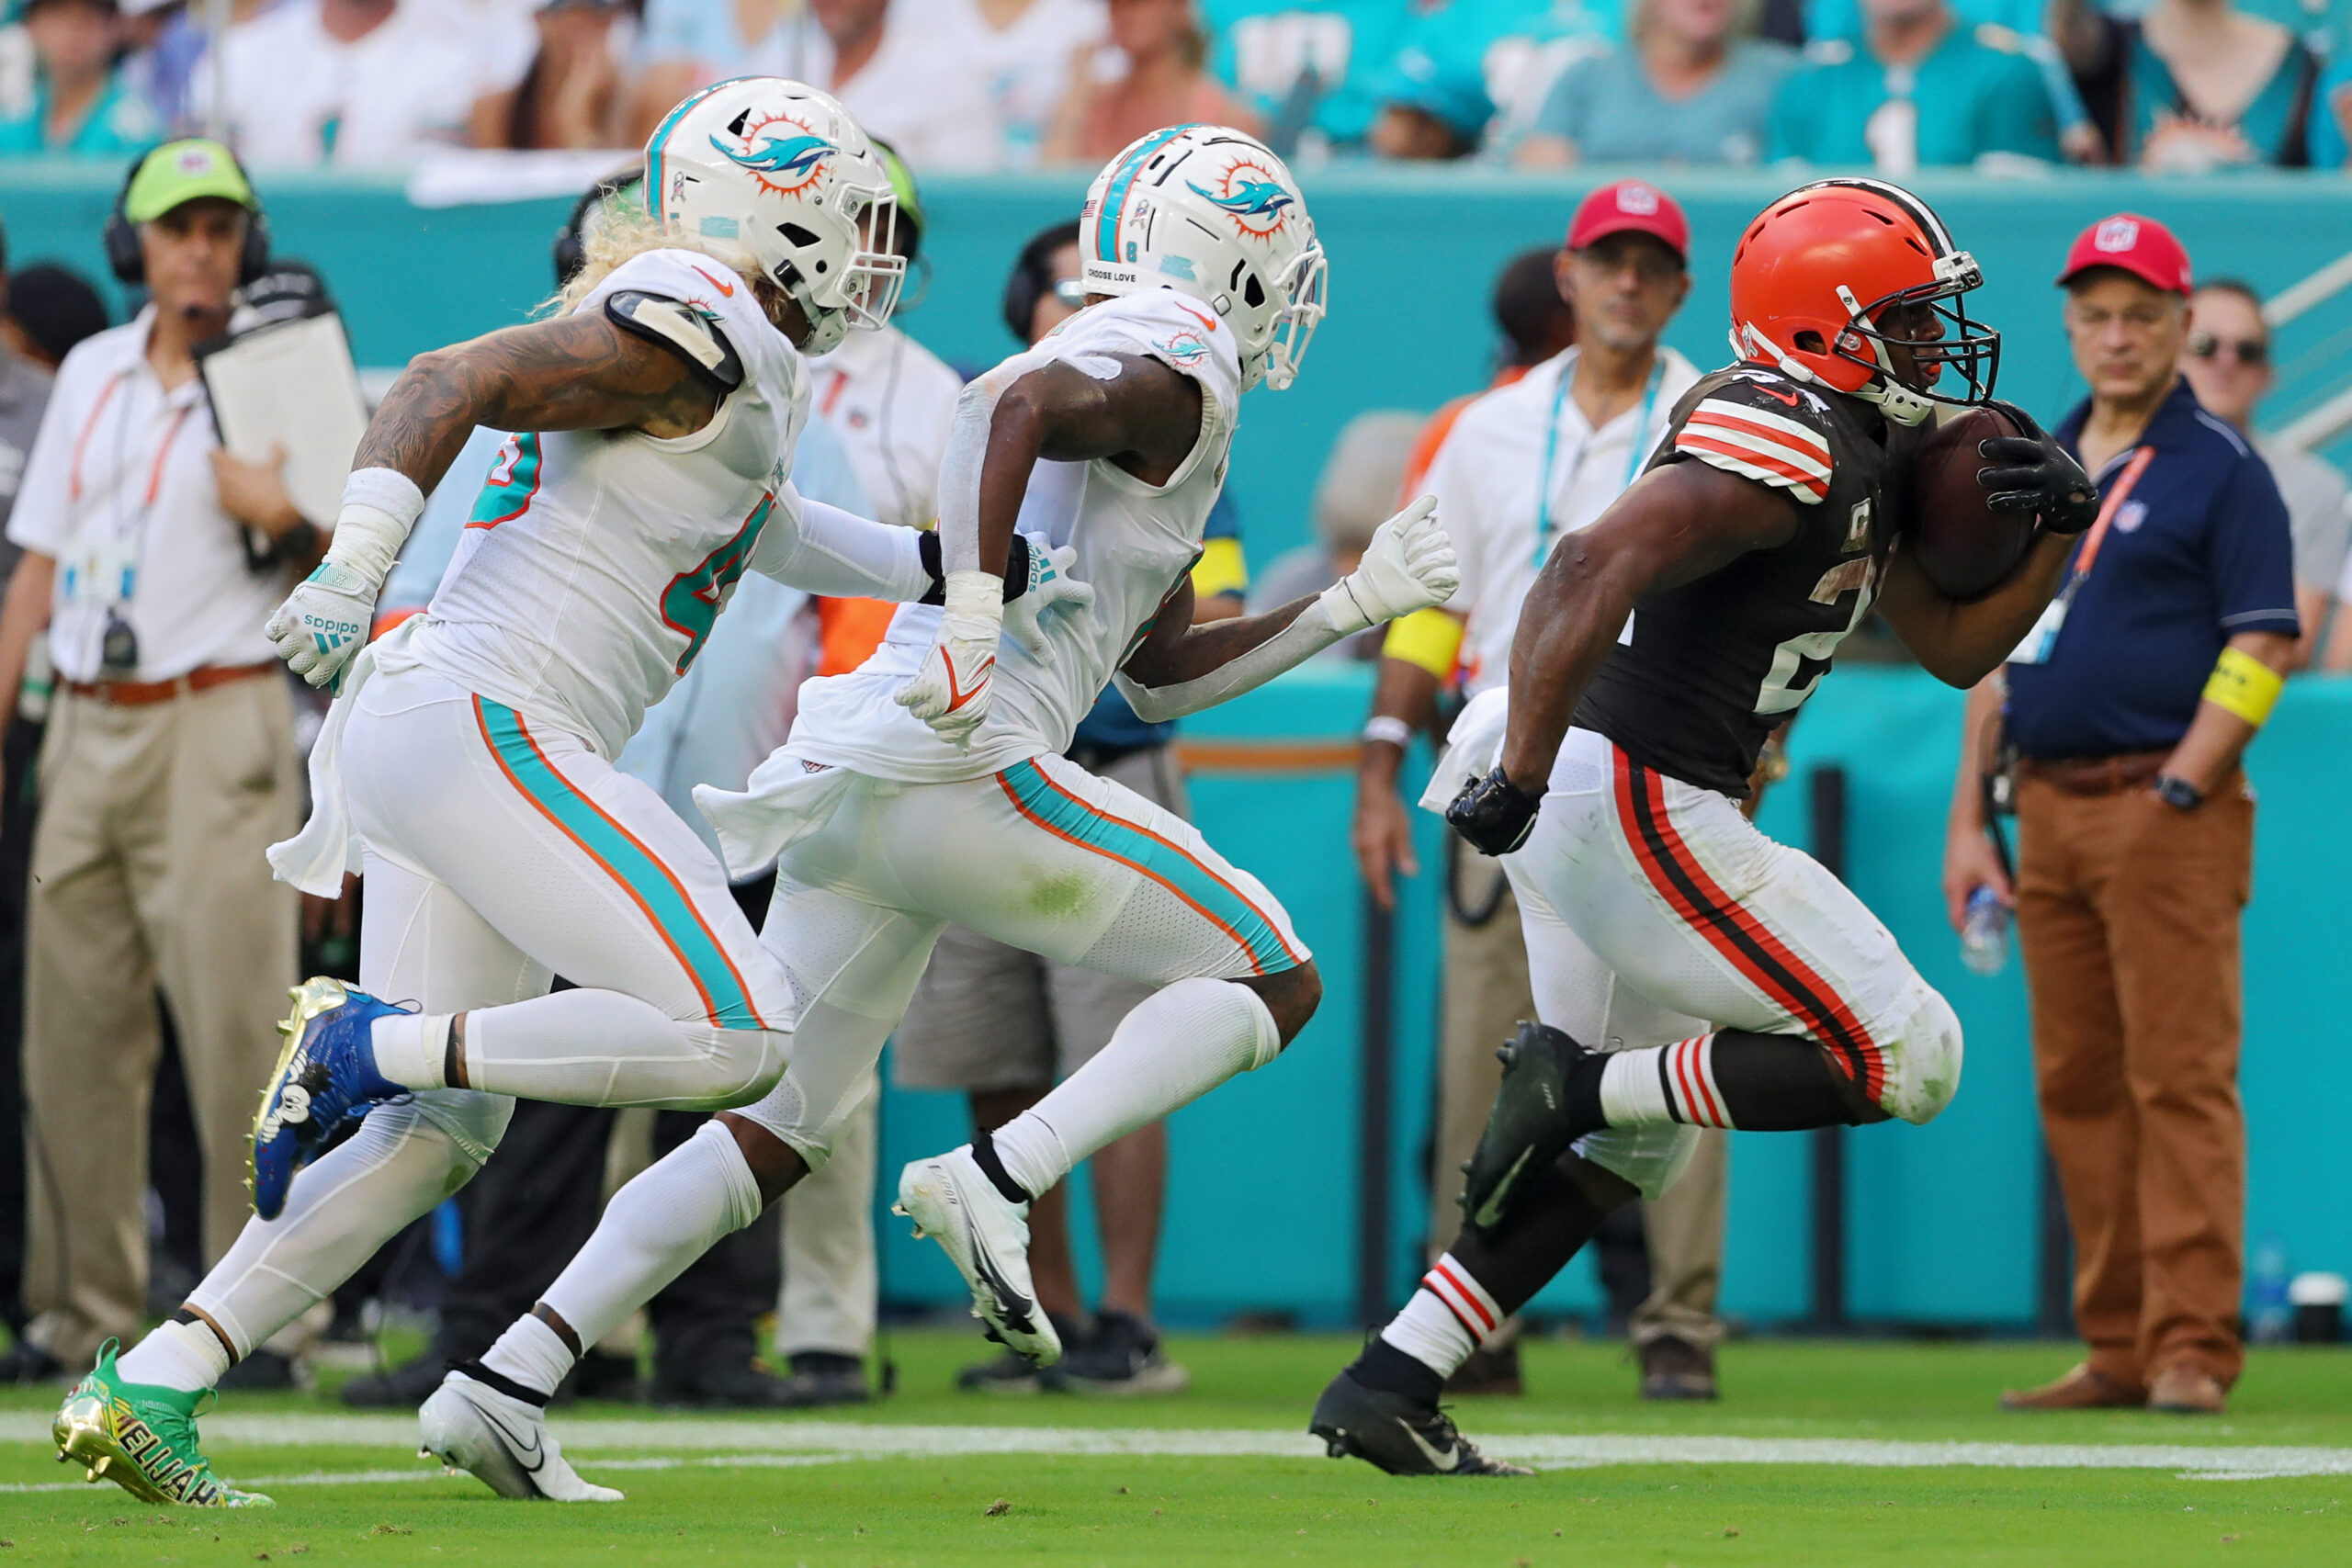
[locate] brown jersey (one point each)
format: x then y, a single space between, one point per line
1704 671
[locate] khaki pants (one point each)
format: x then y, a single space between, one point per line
147 874
2128 923
1486 994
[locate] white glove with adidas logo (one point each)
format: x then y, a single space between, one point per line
323 623
950 693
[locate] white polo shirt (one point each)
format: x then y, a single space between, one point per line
892 402
1491 477
120 492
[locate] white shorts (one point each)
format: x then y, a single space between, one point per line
1655 911
1043 855
505 848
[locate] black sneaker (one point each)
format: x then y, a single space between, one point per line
1012 1372
28 1362
1396 1433
1122 1355
820 1378
402 1388
721 1385
1676 1369
1530 1126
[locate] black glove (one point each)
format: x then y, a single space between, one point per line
2036 475
1494 814
1016 567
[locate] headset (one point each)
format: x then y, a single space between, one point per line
121 236
1032 277
570 248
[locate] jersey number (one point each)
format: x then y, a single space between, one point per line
513 481
1798 663
691 604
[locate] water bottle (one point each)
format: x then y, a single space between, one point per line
2272 1318
1984 934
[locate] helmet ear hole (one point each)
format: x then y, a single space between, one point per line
1809 341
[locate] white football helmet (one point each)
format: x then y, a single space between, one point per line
779 175
1211 213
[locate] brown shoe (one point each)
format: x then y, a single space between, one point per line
2084 1388
1489 1371
2183 1388
1676 1369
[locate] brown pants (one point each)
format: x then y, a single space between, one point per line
147 874
2127 922
1486 993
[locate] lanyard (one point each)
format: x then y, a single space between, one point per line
2113 504
1552 450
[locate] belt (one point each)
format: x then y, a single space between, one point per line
2094 776
139 694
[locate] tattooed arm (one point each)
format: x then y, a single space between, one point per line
573 372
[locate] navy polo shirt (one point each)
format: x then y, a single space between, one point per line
2197 553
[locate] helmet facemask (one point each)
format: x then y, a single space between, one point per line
1966 345
861 293
1301 286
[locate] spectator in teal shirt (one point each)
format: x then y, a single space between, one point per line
79 105
1826 19
1306 67
2195 84
1921 91
1694 87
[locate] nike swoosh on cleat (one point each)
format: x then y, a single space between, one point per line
514 1446
1492 1208
1445 1462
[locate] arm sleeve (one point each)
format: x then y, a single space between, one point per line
39 519
2250 549
822 549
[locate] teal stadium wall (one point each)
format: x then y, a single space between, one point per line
1261 1211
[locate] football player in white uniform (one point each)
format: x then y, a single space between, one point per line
467 765
930 785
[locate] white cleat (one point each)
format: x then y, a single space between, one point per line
952 1200
503 1440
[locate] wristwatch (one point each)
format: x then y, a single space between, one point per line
2177 792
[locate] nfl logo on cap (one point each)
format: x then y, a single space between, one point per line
1637 200
196 160
2116 234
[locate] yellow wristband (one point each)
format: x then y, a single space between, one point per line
1430 638
2244 686
1220 570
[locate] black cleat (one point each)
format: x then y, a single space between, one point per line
1531 1125
1396 1433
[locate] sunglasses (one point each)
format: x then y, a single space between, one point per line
2248 351
1070 291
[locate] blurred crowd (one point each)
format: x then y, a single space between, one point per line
978 85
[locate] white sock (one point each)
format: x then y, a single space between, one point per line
340 1208
1173 1048
532 1354
1449 1316
672 1211
185 1356
412 1048
1663 1083
587 1047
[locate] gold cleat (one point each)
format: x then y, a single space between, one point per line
141 1438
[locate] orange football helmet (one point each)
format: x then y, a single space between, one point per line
1818 269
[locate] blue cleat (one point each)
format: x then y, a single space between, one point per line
326 1072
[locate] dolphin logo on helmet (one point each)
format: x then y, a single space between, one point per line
1256 198
787 156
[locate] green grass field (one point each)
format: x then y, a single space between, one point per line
1807 1470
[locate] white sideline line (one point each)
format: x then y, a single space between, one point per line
421 1472
757 1442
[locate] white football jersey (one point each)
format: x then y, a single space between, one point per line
594 562
1135 543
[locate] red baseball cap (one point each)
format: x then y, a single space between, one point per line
2141 246
1633 207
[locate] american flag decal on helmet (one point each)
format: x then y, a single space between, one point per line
1758 445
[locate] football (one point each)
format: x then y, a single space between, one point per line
1966 548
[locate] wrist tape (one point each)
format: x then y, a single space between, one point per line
2244 686
380 507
